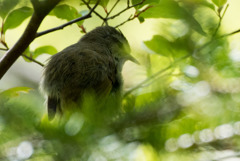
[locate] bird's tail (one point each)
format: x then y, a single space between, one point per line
53 104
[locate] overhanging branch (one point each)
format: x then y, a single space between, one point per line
41 9
21 45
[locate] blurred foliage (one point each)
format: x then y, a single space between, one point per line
187 108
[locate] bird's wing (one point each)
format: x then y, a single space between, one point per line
88 70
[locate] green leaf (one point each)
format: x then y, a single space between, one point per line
171 9
65 12
44 50
141 19
159 45
219 3
16 17
6 6
165 9
13 92
207 4
164 47
104 3
147 98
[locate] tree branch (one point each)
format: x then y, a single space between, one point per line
25 56
41 9
70 22
28 36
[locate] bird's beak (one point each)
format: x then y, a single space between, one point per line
132 59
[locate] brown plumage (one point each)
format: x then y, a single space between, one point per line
92 65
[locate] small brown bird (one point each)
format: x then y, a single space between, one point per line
92 65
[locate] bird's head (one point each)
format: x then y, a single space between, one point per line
116 42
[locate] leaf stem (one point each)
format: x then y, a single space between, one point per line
33 60
127 8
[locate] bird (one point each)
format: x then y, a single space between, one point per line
92 65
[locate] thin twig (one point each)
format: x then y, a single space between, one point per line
3 49
220 20
128 3
154 76
27 57
33 60
115 4
108 13
92 9
3 42
213 40
129 19
229 34
69 23
132 18
127 8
